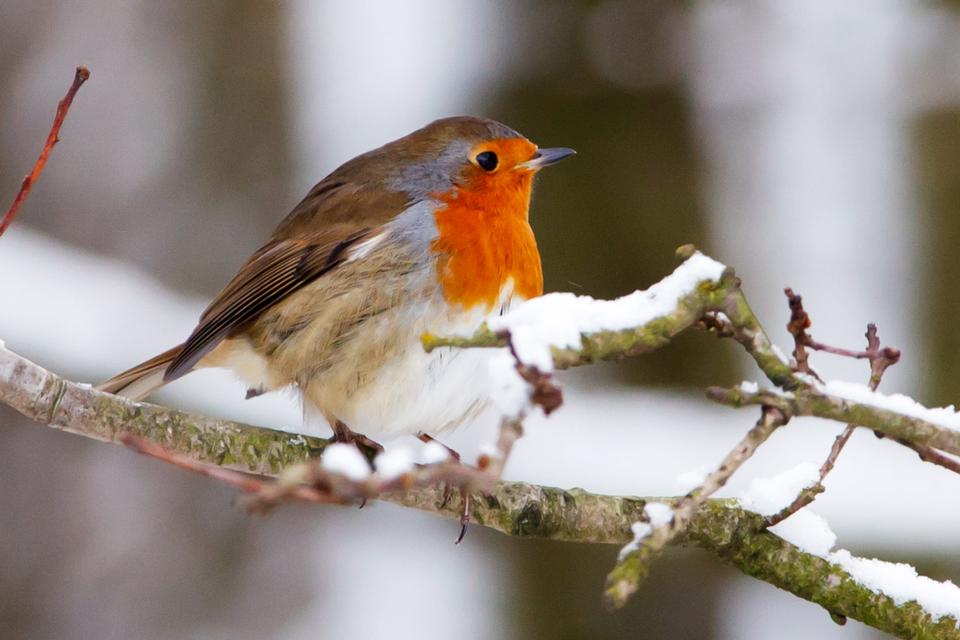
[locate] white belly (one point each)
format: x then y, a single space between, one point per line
431 392
417 391
410 392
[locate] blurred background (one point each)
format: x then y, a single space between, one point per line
813 145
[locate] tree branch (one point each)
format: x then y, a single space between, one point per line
54 401
519 509
810 401
632 567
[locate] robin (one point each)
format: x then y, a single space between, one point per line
427 233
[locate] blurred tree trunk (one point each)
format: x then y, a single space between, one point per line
938 159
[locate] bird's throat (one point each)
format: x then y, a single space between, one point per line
484 239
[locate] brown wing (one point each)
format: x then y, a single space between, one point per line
311 241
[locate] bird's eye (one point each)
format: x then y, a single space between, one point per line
487 160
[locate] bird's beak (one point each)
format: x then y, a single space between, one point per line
546 157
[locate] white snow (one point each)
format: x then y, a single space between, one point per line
394 462
805 529
808 531
749 387
531 348
640 531
943 416
811 533
552 452
433 453
658 513
345 459
767 496
509 392
779 353
559 319
901 583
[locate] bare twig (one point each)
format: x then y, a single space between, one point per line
309 482
634 565
53 138
797 326
810 401
880 360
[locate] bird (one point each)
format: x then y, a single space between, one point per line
428 233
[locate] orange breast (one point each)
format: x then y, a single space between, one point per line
485 239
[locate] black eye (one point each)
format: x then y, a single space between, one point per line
487 160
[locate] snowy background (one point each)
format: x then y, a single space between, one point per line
806 144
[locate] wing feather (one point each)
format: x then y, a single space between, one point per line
310 242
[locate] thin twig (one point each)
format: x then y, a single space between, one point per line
53 138
633 566
797 326
309 482
880 359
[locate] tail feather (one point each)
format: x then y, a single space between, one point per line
143 379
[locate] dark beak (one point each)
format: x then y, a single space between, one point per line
546 157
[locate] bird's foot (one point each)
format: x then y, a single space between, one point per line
427 438
367 446
448 489
464 515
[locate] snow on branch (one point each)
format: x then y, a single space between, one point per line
895 416
279 466
562 330
217 447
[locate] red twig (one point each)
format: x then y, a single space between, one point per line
881 358
311 483
52 138
798 325
245 482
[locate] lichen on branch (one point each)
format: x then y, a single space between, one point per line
524 510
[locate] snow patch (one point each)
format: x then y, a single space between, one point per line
434 453
640 531
779 353
943 416
767 496
901 583
749 387
811 533
559 319
807 531
658 513
394 462
346 460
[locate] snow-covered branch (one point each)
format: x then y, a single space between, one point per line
735 535
557 331
896 415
